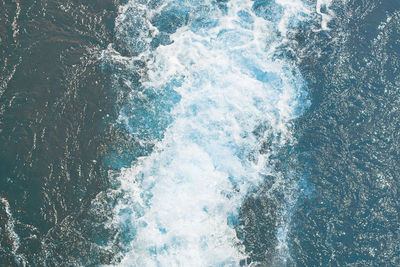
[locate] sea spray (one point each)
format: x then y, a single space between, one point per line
216 98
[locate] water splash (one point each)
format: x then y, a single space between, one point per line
216 98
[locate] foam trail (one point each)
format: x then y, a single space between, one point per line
14 238
235 96
15 21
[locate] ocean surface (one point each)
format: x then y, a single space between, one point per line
200 133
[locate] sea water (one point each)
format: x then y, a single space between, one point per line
216 97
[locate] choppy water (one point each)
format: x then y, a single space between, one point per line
199 133
216 98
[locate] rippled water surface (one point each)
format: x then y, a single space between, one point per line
199 133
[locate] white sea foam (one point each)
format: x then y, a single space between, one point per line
231 84
9 227
326 13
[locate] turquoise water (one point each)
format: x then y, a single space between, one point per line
217 101
188 133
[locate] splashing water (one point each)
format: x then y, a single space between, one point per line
218 102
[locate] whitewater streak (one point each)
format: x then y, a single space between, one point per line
223 92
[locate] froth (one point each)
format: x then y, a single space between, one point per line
10 229
235 93
327 14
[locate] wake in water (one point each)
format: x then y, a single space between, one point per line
216 100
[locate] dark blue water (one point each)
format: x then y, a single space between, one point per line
187 133
348 141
